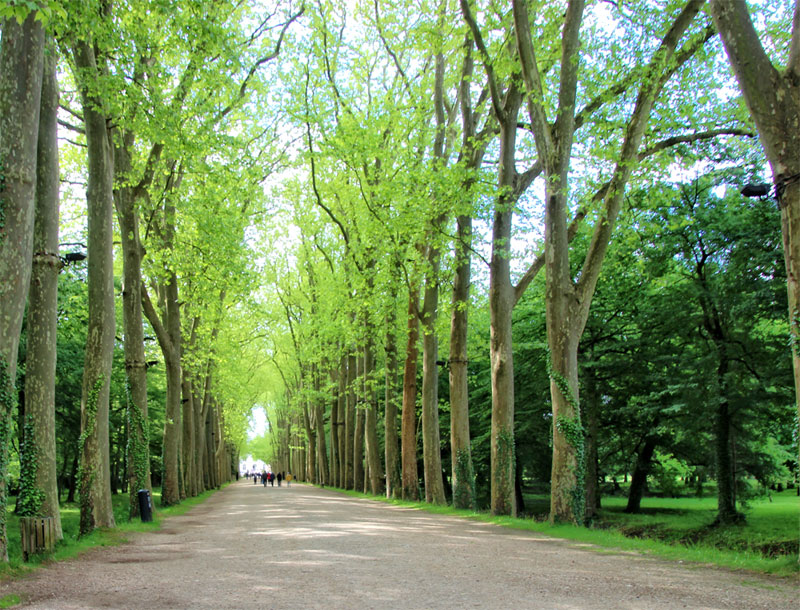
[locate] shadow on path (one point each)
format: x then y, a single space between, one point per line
304 547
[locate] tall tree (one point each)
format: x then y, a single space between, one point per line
21 57
95 474
772 95
553 139
40 375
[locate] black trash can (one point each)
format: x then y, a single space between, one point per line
145 505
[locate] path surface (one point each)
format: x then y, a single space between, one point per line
302 547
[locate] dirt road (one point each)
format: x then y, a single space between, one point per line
302 547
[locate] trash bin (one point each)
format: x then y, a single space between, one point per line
145 505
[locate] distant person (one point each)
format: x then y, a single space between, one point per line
264 477
272 479
288 479
280 478
255 478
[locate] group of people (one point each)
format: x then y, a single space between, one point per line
270 477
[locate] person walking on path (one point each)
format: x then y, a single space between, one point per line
288 479
280 478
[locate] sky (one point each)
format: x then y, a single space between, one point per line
258 422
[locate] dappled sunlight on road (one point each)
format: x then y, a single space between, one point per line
304 547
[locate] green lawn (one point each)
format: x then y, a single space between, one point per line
772 526
767 540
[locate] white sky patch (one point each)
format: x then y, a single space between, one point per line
258 422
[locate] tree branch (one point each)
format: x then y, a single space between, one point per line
692 137
269 57
530 74
497 102
793 65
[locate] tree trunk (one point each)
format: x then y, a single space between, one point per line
590 407
72 482
371 418
410 478
358 432
773 98
40 362
168 333
135 366
567 503
391 440
334 442
311 435
431 442
189 475
723 448
461 453
501 303
95 483
640 472
350 422
20 96
323 472
340 422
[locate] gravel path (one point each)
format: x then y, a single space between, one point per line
302 547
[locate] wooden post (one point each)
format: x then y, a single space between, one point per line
38 535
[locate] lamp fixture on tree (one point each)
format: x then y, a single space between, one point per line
755 190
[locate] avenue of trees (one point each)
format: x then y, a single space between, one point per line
454 249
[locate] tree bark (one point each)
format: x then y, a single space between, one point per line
187 416
350 421
501 303
334 442
95 484
410 479
431 442
358 430
639 478
40 362
461 452
311 436
323 471
341 421
20 96
591 407
168 333
391 439
133 345
371 418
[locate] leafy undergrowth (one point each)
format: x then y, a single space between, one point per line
72 545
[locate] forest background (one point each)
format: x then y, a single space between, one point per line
339 212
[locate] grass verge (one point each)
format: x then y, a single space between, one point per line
72 545
734 547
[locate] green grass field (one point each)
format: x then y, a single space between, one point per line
767 541
771 528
